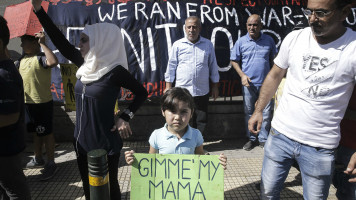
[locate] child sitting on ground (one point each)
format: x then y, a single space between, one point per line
176 136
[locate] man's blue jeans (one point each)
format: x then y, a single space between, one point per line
250 96
344 189
316 167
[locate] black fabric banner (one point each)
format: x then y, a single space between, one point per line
150 27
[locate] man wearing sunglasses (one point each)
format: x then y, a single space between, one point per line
321 65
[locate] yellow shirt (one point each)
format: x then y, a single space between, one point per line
36 80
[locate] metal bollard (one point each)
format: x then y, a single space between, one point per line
98 175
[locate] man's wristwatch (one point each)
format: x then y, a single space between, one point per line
129 113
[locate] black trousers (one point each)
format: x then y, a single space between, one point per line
200 116
13 183
113 165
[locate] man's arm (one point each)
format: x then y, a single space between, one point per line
6 120
273 53
168 86
268 89
214 73
215 90
244 78
51 59
170 73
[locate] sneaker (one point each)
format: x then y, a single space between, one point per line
34 163
45 167
262 145
48 172
249 145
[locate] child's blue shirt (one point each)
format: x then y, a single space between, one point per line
167 143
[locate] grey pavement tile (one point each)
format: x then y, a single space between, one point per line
240 178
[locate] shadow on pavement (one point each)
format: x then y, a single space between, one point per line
65 184
250 192
224 144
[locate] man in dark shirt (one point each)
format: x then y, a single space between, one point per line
12 124
346 189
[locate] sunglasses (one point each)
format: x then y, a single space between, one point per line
317 13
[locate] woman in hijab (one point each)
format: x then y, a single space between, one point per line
103 71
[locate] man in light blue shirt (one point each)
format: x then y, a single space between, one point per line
191 65
255 52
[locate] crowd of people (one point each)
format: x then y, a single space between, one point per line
315 111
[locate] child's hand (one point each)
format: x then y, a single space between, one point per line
223 160
129 157
41 37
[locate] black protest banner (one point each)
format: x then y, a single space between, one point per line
150 27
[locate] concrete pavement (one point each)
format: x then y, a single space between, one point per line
241 177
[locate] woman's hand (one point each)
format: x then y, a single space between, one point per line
223 161
36 4
123 127
129 157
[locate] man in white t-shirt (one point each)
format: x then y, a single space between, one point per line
321 65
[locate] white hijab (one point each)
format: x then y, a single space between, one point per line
106 51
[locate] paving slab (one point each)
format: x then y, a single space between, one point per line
240 178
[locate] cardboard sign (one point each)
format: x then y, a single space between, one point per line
68 72
22 20
176 176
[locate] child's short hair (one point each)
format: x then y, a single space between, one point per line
170 99
4 31
29 38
